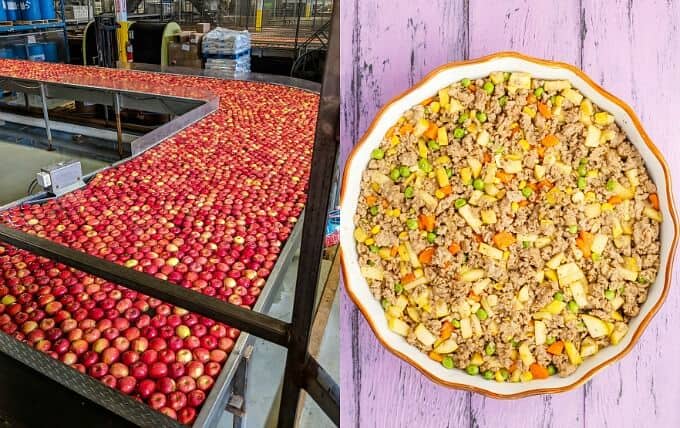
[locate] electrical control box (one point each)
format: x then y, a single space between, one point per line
61 177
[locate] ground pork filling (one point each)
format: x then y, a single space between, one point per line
508 227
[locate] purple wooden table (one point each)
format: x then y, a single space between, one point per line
632 49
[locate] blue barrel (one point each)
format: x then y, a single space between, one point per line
50 49
36 52
12 9
47 9
7 53
3 11
30 10
19 51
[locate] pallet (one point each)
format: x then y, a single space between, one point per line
37 21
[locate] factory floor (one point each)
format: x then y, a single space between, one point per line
18 165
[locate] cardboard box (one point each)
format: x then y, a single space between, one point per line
203 27
196 38
183 37
184 55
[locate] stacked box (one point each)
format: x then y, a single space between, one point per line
184 55
227 51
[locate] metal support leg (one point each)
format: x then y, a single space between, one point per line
27 105
43 99
236 404
119 125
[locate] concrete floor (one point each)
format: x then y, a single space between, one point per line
18 165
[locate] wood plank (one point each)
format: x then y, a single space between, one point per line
547 29
530 28
631 49
385 50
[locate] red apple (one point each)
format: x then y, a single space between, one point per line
119 370
89 358
127 384
204 382
186 416
194 369
196 397
186 384
121 343
109 381
165 385
175 369
146 387
212 368
110 355
167 411
177 400
140 344
139 370
158 370
98 370
157 400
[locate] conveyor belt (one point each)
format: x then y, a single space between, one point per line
229 138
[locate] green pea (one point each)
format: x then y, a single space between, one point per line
404 171
572 306
455 323
374 248
488 87
424 165
538 92
465 82
502 101
398 288
609 294
481 116
582 170
472 370
504 374
550 340
526 244
596 257
583 161
394 174
463 117
514 343
573 228
385 304
581 183
458 133
559 296
431 237
449 172
478 184
527 192
611 183
378 154
408 192
373 210
488 375
460 203
552 100
433 145
642 280
412 224
490 348
447 362
481 314
552 370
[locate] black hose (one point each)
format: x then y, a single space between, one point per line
31 187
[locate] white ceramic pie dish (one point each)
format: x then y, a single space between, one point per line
356 285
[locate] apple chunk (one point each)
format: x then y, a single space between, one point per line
596 327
